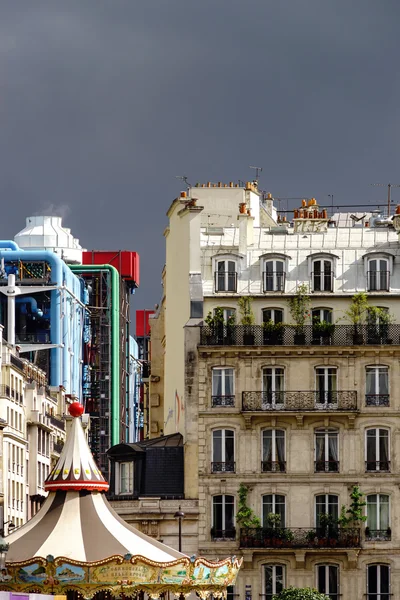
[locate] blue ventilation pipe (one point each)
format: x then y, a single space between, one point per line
10 245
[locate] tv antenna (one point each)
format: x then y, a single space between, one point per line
183 178
258 171
389 187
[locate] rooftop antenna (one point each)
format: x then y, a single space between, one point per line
183 178
258 171
389 187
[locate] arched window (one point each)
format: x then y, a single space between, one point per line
322 274
321 315
378 582
378 274
274 315
225 276
223 517
273 457
274 504
229 315
274 580
328 581
327 451
377 450
378 518
274 275
223 451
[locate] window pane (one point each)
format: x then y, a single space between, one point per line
267 445
217 513
217 382
229 446
383 381
383 512
384 580
217 446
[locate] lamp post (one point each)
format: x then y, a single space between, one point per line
179 515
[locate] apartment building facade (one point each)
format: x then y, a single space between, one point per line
300 413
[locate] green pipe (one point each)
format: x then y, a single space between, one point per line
115 370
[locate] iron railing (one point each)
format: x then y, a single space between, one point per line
290 335
326 466
299 537
322 282
378 281
222 401
297 401
223 467
223 534
273 466
274 281
5 391
377 465
377 400
378 535
56 422
225 281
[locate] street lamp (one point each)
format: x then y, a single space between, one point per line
179 515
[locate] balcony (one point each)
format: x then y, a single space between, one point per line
5 391
299 537
223 467
378 535
223 534
56 422
289 335
222 401
273 466
298 401
380 466
225 281
326 466
377 400
274 281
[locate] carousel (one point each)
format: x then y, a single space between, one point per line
77 544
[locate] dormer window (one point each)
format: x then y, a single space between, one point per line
378 275
274 276
225 276
322 275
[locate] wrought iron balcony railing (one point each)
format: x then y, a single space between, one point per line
223 401
377 400
5 391
223 534
299 537
322 282
298 401
273 466
223 467
326 466
225 281
290 335
377 465
378 281
378 535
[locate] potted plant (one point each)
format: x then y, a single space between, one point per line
247 319
322 332
299 307
311 537
292 593
215 324
272 333
246 519
351 518
357 314
379 320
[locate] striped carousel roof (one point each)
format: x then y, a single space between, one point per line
76 520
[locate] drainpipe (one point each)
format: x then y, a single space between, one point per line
115 359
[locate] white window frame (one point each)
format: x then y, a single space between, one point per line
225 310
326 376
224 430
326 433
274 503
278 281
377 369
118 474
377 505
321 316
389 267
274 566
328 566
226 259
223 504
223 380
273 309
378 595
274 377
326 505
322 259
377 451
274 432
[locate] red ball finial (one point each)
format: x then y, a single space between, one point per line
76 409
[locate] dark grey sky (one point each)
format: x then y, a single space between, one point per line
102 103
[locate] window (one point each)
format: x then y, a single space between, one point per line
225 276
378 582
328 581
274 504
126 477
378 527
321 315
274 580
274 276
229 315
272 314
326 504
326 385
273 386
223 387
377 450
223 454
223 517
378 275
273 451
322 276
377 386
326 451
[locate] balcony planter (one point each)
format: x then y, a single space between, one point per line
247 320
272 333
299 338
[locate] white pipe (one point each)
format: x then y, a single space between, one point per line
11 310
